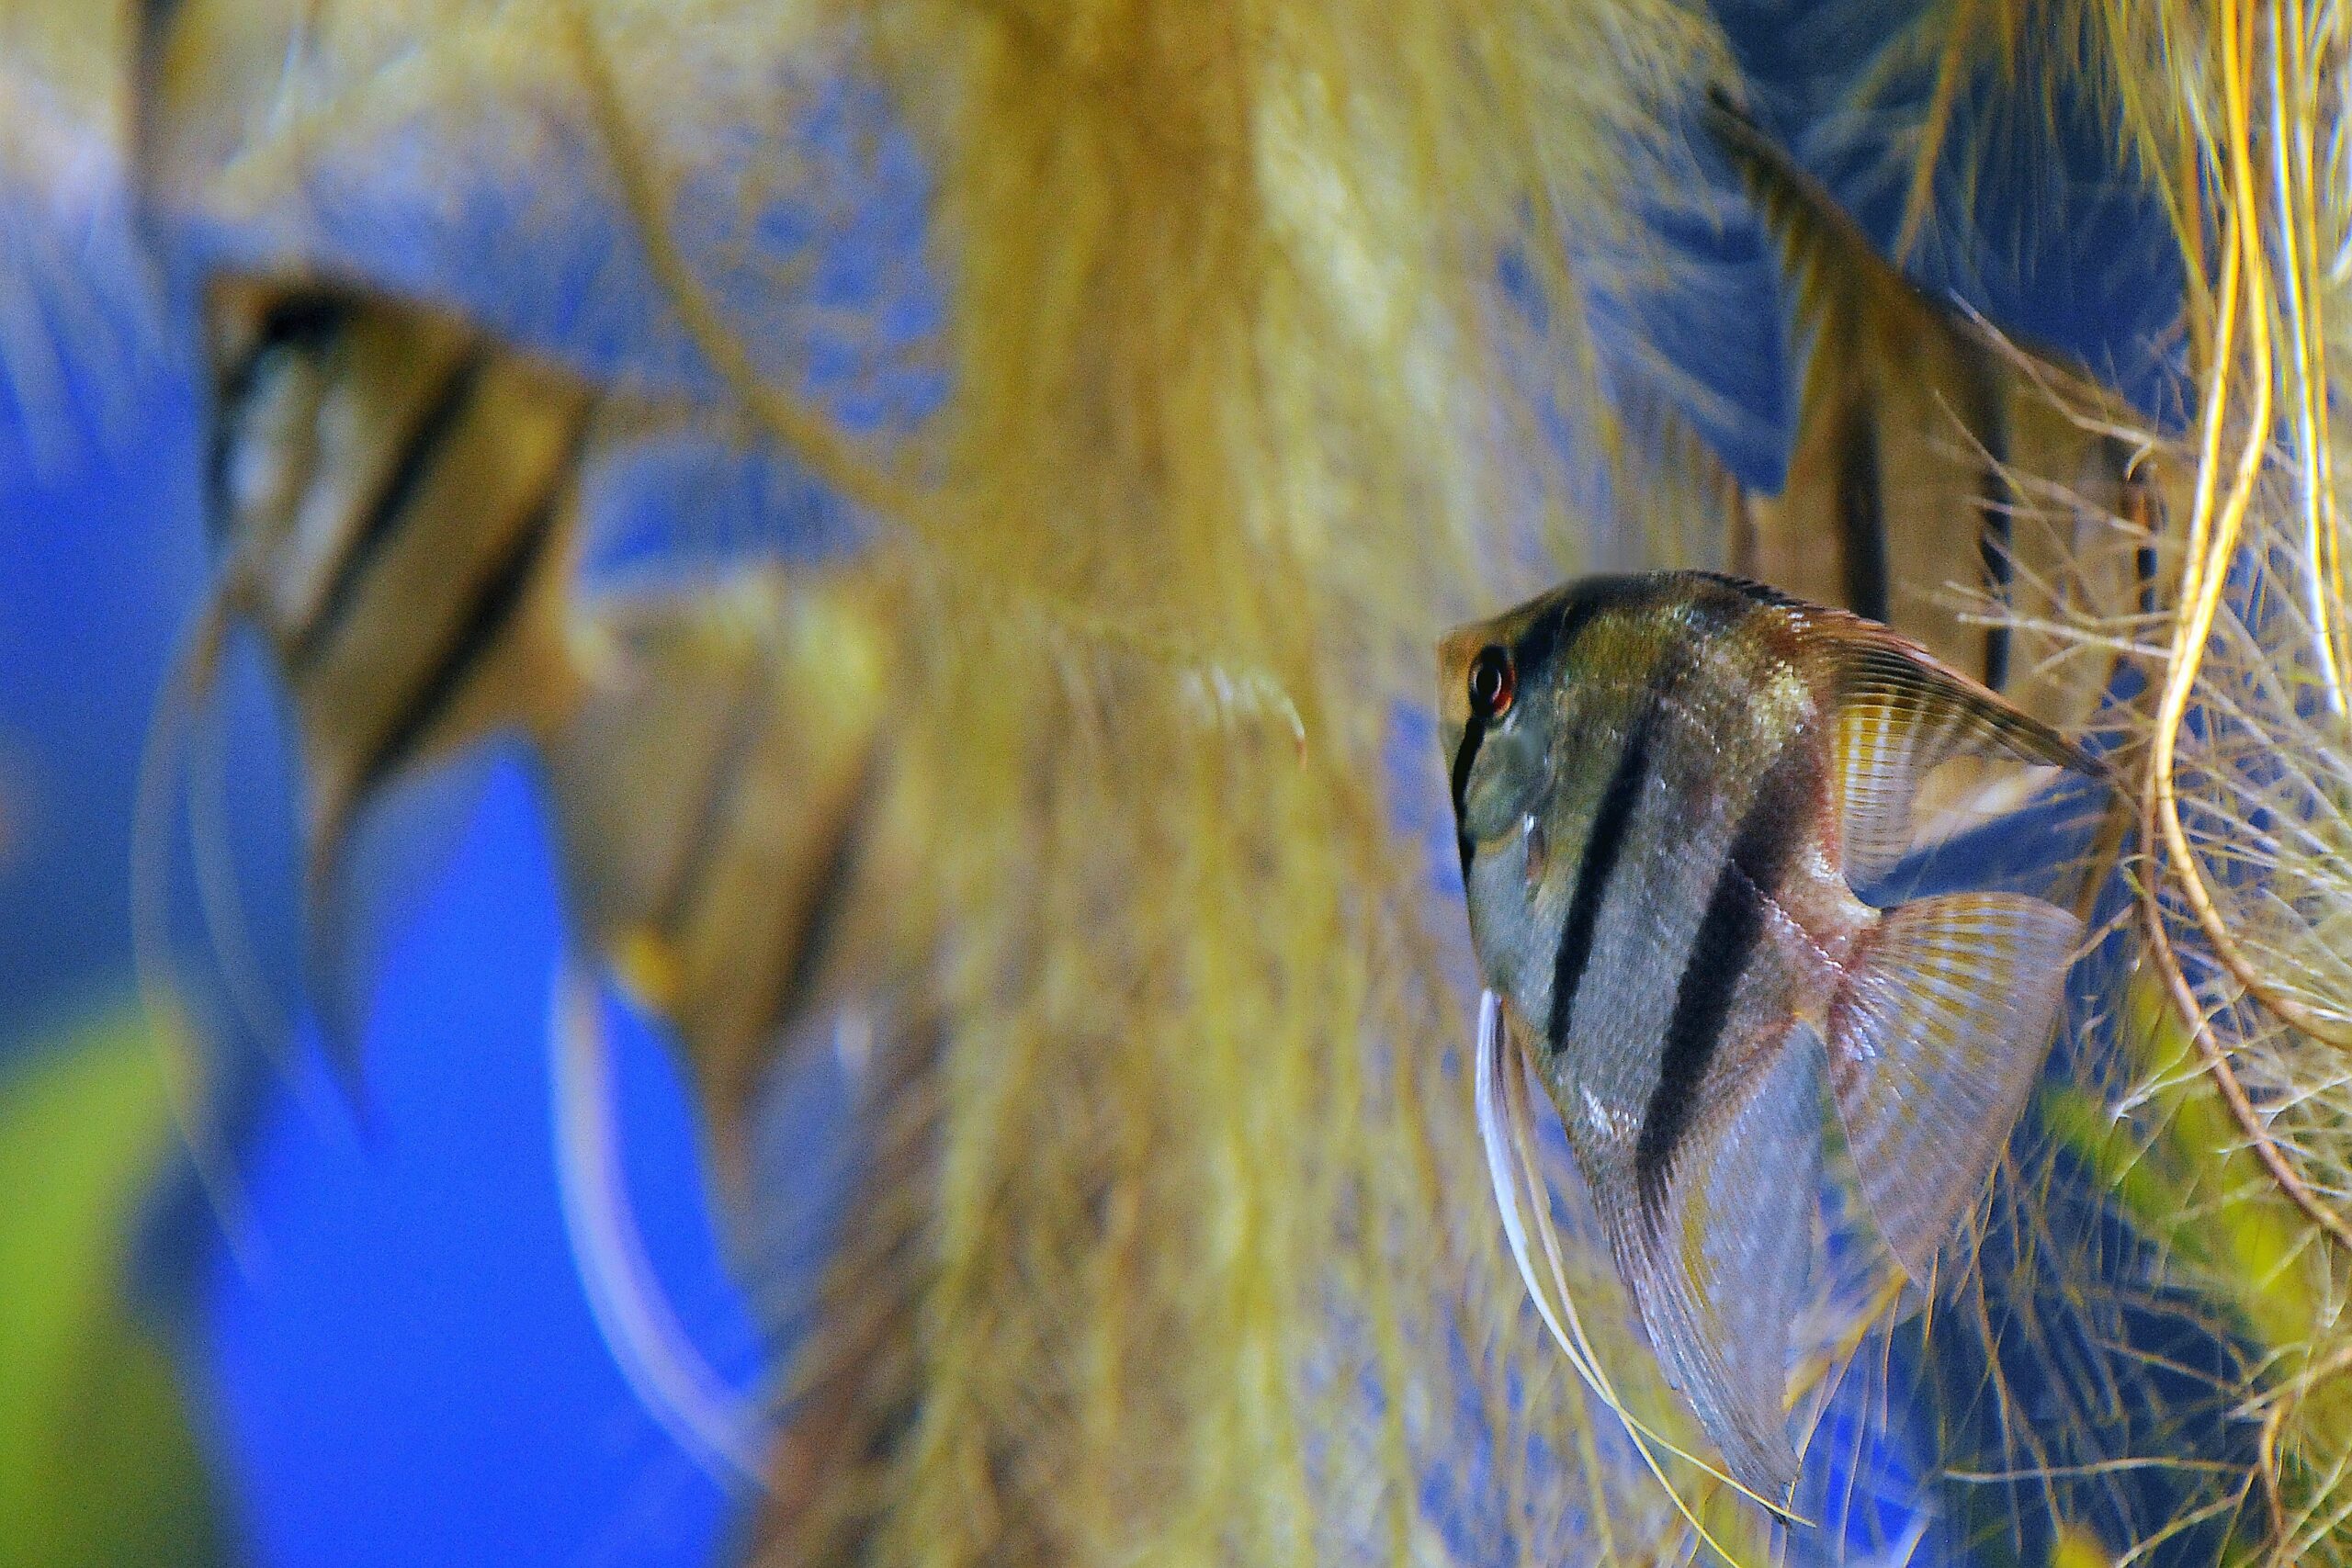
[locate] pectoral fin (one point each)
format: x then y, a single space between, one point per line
1935 1040
337 981
1719 1253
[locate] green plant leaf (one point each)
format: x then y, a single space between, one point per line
98 1461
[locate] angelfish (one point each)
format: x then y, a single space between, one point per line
1664 788
396 496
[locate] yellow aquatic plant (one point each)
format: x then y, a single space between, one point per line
2241 747
1187 1252
1176 1245
1225 339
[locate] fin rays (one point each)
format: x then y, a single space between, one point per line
1900 714
1935 1042
1719 1260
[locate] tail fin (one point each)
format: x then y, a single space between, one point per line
1935 1041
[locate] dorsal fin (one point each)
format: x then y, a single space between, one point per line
1900 712
1830 264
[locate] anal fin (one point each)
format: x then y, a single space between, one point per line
1935 1040
1720 1256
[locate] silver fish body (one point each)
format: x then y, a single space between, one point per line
1664 786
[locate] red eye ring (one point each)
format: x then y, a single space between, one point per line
1493 682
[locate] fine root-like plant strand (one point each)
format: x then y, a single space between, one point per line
812 438
2211 547
2217 1062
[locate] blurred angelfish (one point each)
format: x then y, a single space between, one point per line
1938 462
1663 788
732 815
394 490
395 494
735 821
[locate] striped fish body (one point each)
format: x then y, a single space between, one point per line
394 492
1664 786
741 832
730 815
1675 723
1933 474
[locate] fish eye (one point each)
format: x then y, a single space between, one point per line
1492 682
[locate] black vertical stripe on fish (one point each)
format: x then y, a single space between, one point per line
2139 512
1769 835
2135 509
1558 630
388 511
752 705
1862 522
1551 635
1555 635
487 616
1474 735
1997 504
1602 844
1743 547
300 323
820 919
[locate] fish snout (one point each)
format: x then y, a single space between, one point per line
1455 649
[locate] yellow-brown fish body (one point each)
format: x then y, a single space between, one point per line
1934 456
394 490
1663 785
732 816
745 823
